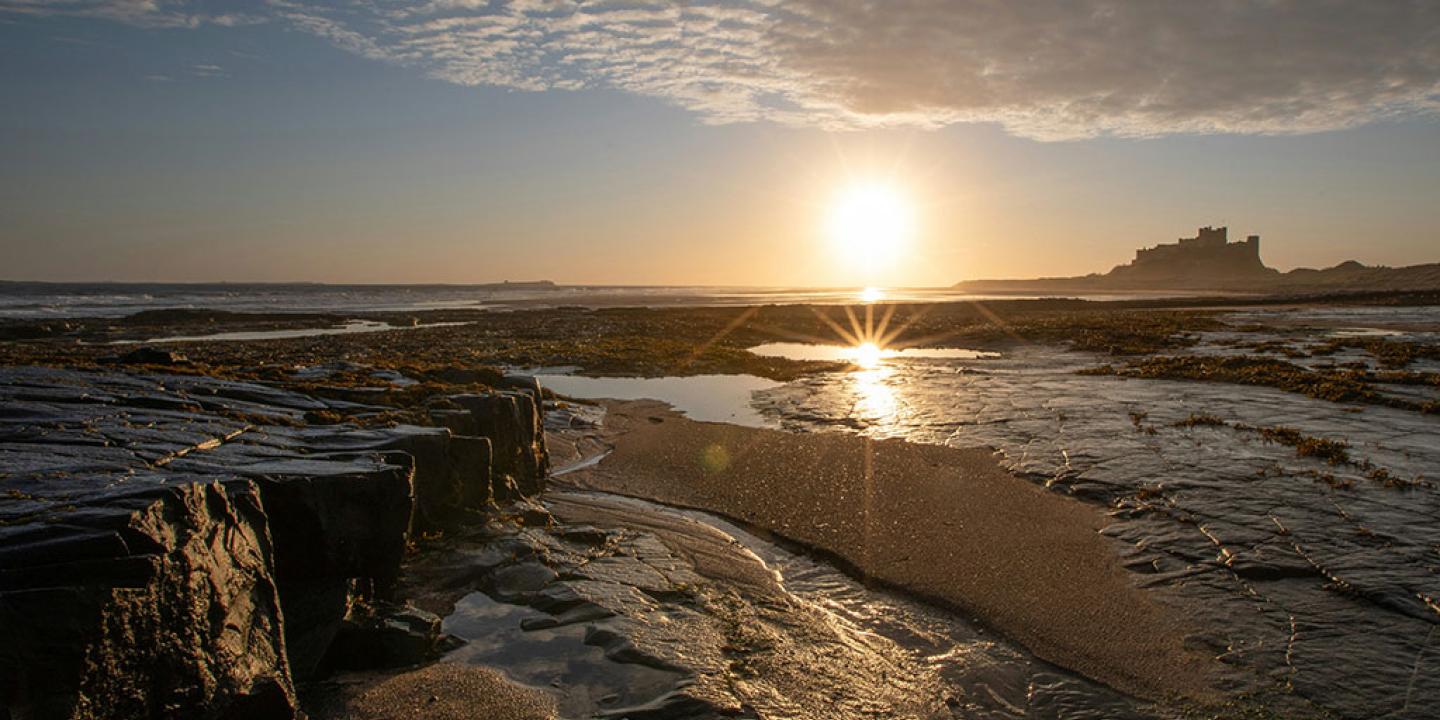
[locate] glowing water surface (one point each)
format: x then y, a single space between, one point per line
348 328
708 398
862 353
1315 581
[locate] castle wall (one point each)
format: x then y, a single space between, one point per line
1208 254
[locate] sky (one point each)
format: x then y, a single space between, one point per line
705 143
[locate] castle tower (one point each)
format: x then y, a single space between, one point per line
1252 245
1212 237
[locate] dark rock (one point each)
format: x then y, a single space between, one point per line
676 704
584 613
385 635
524 383
166 551
528 512
465 376
621 648
451 473
147 356
176 608
328 553
586 535
512 421
33 330
515 582
452 476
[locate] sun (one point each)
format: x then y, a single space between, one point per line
869 224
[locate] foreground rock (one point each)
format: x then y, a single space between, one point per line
633 611
185 546
154 600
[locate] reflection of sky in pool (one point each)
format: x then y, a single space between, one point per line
348 328
550 658
729 398
842 353
708 398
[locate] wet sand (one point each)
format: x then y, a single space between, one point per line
946 524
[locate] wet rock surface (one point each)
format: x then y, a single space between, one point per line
183 545
625 608
142 603
1317 580
384 634
644 614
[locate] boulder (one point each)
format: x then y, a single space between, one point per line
513 423
147 356
148 601
337 538
386 635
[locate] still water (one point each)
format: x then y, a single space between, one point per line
707 398
842 353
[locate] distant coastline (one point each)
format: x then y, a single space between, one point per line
289 284
1209 262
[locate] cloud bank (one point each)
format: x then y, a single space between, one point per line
1048 70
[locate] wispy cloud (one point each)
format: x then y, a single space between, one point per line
142 13
1048 69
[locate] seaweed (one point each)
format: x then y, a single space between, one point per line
1388 352
1200 420
1333 452
1340 385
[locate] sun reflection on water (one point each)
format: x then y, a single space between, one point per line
875 400
867 355
869 340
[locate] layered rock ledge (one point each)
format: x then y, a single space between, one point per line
174 545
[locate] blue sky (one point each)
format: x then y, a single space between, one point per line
471 142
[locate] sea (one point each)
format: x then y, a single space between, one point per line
27 300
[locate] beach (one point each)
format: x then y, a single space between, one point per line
1061 507
722 360
948 525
